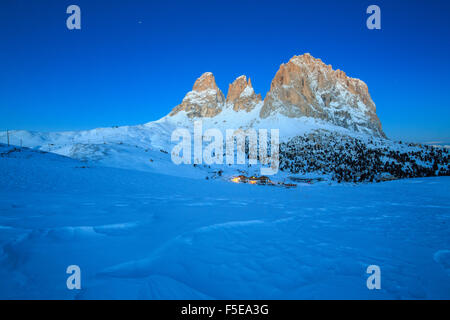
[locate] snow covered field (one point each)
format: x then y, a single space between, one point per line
144 235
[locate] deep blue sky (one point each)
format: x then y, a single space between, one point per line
117 71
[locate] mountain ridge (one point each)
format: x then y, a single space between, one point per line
302 87
316 138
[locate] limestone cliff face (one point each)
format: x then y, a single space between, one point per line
305 86
205 99
241 95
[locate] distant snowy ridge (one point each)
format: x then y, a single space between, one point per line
307 98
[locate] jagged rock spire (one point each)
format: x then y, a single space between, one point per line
241 95
205 99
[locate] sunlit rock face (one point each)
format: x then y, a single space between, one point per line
305 86
205 99
241 95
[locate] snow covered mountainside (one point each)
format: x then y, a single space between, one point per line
350 159
142 235
111 201
308 102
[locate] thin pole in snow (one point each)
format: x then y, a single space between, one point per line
7 135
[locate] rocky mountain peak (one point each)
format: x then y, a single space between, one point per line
305 86
241 95
205 99
205 82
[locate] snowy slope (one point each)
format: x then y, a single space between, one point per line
149 236
147 147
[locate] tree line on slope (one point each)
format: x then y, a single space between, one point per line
348 159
